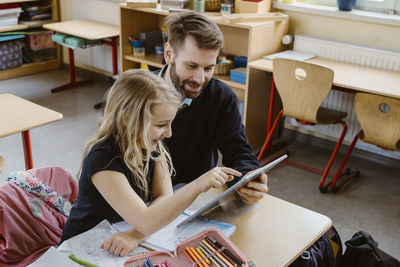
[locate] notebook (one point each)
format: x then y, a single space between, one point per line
225 195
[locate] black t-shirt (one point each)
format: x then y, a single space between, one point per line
91 207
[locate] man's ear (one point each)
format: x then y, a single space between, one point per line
168 53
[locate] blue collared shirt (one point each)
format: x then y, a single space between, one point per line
186 102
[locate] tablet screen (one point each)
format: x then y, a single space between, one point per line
222 197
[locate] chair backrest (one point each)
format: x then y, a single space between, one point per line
302 87
379 118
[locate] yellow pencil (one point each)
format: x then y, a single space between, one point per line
202 254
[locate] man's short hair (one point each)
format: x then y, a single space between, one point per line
182 24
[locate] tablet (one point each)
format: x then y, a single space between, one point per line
222 197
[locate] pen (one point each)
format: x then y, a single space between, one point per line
209 256
212 255
85 263
217 253
149 262
227 252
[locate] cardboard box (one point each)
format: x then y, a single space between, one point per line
252 7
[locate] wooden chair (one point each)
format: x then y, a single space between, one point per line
303 87
379 118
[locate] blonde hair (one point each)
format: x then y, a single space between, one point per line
127 118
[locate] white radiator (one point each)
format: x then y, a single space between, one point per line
339 100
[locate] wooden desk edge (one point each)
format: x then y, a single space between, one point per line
55 116
321 233
54 26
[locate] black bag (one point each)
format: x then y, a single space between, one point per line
362 251
325 252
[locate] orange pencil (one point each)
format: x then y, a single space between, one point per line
199 257
217 253
193 257
187 255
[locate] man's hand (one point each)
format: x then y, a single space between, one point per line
255 190
121 244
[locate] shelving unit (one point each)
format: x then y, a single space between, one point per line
251 39
35 67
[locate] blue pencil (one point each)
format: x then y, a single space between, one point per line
210 253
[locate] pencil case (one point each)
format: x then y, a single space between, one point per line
178 258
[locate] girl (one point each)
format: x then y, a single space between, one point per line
125 165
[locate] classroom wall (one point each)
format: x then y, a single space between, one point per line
350 31
98 58
362 33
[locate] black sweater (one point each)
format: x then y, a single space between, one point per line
212 122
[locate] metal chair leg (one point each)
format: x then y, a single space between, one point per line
322 186
348 175
343 176
269 136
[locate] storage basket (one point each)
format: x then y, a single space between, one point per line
40 40
10 54
223 69
212 5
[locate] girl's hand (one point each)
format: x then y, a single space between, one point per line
121 244
216 177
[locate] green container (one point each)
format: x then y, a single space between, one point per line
199 6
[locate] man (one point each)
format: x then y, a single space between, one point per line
211 120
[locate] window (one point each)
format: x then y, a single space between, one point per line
386 6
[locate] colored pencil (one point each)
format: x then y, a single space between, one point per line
202 255
82 262
217 253
200 260
209 256
227 252
213 255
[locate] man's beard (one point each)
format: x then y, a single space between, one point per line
180 84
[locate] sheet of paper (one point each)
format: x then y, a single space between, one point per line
53 257
86 246
291 54
170 236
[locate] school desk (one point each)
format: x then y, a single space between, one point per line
90 30
348 77
18 115
272 232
